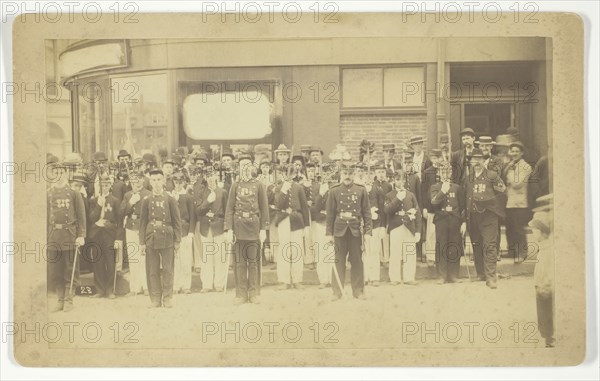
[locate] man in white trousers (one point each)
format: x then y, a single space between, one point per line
130 210
211 216
325 254
374 249
184 260
404 225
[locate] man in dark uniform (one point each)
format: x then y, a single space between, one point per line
106 233
66 230
160 236
461 160
483 210
429 178
381 182
348 217
448 207
130 211
247 219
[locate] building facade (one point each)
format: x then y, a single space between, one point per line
157 94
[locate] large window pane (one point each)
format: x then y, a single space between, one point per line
362 87
140 114
403 87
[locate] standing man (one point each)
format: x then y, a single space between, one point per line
210 214
106 233
420 159
246 221
461 160
293 218
388 157
160 237
282 154
385 187
187 213
404 225
516 175
373 252
130 210
448 208
348 218
483 210
66 231
430 177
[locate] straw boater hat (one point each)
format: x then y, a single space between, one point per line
416 139
485 140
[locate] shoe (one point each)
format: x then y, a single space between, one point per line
411 283
394 283
238 301
285 286
335 298
455 280
68 306
550 342
361 296
57 307
481 278
187 292
204 291
322 286
154 305
297 286
167 303
491 284
375 283
254 300
219 289
312 266
111 296
441 281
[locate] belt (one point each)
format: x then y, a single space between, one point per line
134 217
159 223
346 215
400 213
448 209
62 226
246 214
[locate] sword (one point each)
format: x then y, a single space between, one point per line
73 271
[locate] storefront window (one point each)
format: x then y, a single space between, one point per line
227 115
140 120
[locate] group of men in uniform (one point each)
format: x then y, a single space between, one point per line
189 213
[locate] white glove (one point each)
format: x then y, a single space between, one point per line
401 195
285 187
307 183
229 236
445 187
212 196
374 214
463 228
417 237
117 244
262 236
220 184
80 241
134 198
143 250
323 189
101 200
190 235
425 213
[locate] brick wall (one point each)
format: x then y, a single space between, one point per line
380 129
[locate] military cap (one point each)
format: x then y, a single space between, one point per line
134 175
476 153
149 158
123 153
155 171
300 158
416 139
517 144
485 140
388 147
100 156
436 152
228 152
245 156
315 149
80 178
467 131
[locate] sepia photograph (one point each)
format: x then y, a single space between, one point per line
332 191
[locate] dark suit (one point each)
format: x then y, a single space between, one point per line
347 209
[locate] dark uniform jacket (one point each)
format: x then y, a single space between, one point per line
376 199
393 164
119 189
66 217
247 211
428 179
293 204
187 212
113 225
212 214
133 212
317 209
160 222
385 188
413 184
347 208
399 212
448 204
461 165
482 193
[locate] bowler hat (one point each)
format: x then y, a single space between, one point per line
388 147
517 144
123 153
467 131
100 156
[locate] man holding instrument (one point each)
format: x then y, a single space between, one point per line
66 231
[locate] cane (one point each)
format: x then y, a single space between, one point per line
73 271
